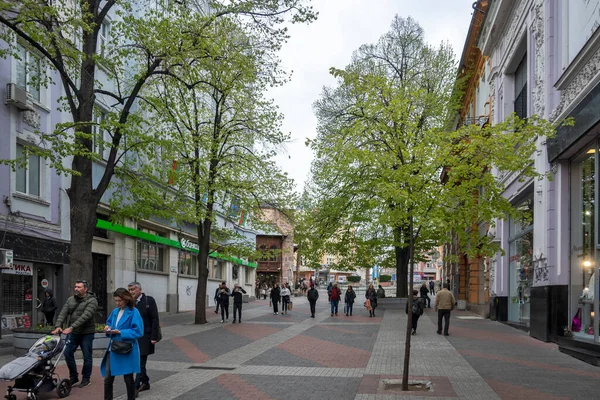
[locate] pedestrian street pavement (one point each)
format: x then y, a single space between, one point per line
295 357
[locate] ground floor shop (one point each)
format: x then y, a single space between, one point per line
165 262
38 264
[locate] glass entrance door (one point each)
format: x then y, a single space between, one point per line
45 279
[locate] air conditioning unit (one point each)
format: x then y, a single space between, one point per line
17 96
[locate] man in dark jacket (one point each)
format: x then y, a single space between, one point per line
238 299
224 301
146 305
217 293
312 296
78 312
425 295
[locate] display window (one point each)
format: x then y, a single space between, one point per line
521 263
17 300
583 279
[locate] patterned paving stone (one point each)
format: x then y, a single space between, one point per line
222 341
326 353
359 337
278 356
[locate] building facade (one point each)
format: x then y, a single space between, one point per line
546 61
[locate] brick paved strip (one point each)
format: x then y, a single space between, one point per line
533 364
299 371
326 353
178 384
431 355
516 392
190 350
240 388
249 351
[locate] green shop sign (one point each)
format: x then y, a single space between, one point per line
184 244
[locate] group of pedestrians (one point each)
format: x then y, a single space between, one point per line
222 295
133 328
281 295
444 304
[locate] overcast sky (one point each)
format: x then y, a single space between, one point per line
342 26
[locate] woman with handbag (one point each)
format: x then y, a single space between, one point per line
122 357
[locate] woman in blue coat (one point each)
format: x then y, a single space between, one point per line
123 324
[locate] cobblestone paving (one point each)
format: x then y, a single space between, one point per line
297 357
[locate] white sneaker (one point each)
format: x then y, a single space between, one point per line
275 313
222 320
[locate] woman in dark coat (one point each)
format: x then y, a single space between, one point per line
49 307
371 295
275 298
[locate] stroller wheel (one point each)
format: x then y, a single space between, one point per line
63 388
11 397
31 396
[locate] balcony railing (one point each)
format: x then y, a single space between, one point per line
481 120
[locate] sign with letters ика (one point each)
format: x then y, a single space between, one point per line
19 268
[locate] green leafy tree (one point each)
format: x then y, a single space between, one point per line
382 150
149 40
223 133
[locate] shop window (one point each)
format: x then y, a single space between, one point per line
28 177
235 272
188 263
520 246
273 255
248 274
215 268
150 255
583 278
102 233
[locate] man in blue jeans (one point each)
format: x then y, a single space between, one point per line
79 311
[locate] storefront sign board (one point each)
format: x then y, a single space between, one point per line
19 268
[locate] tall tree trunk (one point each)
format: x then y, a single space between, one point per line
402 258
410 300
83 205
204 244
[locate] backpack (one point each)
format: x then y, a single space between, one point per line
416 307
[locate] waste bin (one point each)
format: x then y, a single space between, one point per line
245 298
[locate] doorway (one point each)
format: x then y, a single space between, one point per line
45 279
99 283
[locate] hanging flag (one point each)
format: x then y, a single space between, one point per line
243 217
174 170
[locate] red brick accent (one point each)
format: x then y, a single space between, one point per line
325 353
441 386
240 388
532 364
190 350
506 391
341 330
252 331
491 336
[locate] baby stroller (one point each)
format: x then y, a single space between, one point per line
35 371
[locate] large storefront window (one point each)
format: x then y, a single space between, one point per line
188 263
150 255
583 278
215 268
521 263
17 292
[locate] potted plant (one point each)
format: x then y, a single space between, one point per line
24 338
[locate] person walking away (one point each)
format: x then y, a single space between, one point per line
217 293
79 311
238 298
312 295
424 294
146 306
49 307
417 310
224 302
432 287
275 297
349 300
444 304
124 326
371 295
335 294
380 292
285 299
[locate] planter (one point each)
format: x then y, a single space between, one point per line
22 341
